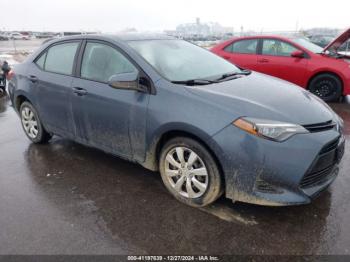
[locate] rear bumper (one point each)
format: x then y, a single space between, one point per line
264 172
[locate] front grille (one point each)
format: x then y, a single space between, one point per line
320 126
322 169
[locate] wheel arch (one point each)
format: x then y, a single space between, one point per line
153 154
19 101
23 97
326 72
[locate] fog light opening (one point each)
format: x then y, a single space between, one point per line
265 187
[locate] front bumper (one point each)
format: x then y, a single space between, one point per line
347 99
265 172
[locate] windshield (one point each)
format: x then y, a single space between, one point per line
308 45
178 60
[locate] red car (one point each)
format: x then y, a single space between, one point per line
324 72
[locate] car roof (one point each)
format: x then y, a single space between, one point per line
290 38
116 37
140 37
265 36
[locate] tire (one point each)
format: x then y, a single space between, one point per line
189 174
326 86
32 125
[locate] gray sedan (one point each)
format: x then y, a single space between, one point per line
209 127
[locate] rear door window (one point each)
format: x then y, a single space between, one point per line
59 58
247 46
101 61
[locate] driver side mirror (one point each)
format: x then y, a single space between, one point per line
298 54
129 81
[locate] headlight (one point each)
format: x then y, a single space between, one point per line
273 130
340 124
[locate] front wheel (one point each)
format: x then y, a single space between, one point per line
189 172
326 86
32 125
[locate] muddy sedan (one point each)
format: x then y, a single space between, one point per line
207 126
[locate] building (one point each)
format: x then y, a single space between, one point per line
200 30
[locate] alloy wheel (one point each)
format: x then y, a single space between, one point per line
29 122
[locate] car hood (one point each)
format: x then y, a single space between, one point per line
338 41
261 96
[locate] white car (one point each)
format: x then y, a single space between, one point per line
18 36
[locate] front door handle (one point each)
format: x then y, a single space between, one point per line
79 91
32 78
263 60
226 57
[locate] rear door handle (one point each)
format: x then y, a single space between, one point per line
263 60
32 78
226 57
79 91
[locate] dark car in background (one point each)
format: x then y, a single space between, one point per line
321 40
44 35
206 125
323 71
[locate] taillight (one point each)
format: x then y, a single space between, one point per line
10 74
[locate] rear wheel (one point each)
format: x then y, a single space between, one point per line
326 86
189 172
32 125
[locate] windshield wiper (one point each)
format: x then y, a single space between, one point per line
194 82
227 76
234 75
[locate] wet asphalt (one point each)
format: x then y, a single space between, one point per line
65 198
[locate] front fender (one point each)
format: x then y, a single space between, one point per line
185 129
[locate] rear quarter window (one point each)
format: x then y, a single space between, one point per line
40 62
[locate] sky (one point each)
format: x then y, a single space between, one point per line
159 15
